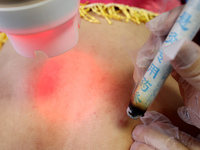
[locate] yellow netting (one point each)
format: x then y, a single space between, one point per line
115 11
3 39
109 12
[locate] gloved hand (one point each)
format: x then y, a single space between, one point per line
159 133
185 60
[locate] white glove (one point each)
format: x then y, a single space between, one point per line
160 27
185 61
159 133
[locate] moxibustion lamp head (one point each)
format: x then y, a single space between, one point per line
50 26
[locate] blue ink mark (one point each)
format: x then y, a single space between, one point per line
145 84
160 57
137 99
172 37
153 70
183 20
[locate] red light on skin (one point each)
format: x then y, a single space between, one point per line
48 79
65 87
46 86
74 87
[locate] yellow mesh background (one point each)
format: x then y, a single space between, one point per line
115 11
3 39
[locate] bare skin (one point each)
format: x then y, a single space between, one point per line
77 100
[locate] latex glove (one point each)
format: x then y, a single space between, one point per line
185 61
159 27
187 73
159 133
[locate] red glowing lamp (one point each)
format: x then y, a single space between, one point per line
50 26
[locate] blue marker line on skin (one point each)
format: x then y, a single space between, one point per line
186 26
